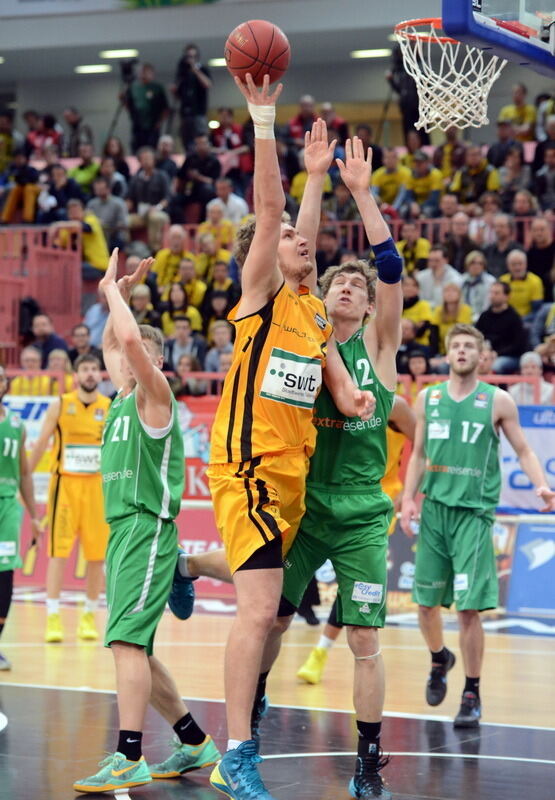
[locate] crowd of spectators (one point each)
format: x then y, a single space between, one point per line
473 222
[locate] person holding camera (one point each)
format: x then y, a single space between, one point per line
192 82
147 104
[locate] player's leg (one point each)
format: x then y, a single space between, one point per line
313 668
61 537
139 567
193 748
359 557
6 592
93 534
475 590
433 577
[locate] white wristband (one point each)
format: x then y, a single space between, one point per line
263 118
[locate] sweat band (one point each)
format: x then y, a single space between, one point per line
388 261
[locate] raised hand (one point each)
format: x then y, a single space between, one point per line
357 169
127 282
112 271
318 154
258 96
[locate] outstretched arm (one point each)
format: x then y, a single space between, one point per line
318 155
47 430
261 278
349 399
127 335
506 415
386 332
415 470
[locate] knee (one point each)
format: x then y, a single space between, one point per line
261 619
428 611
468 618
281 625
363 642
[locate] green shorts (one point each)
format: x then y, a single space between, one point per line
350 530
455 558
10 527
140 562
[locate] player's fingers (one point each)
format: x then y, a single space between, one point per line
307 136
369 156
241 86
278 90
340 164
348 149
331 146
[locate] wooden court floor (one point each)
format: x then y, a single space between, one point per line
518 683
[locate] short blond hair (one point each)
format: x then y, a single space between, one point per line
154 335
462 329
356 265
245 235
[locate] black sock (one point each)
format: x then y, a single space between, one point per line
368 737
1 628
441 657
260 691
188 731
129 744
472 685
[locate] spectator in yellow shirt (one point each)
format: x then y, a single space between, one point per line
414 144
475 178
413 249
299 180
209 253
195 288
178 305
94 250
417 310
35 385
526 288
424 187
221 229
389 183
449 313
167 260
58 361
520 113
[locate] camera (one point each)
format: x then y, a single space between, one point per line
128 69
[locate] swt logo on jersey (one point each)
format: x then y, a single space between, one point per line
291 378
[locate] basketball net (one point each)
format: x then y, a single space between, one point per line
453 80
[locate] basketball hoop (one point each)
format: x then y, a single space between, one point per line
453 80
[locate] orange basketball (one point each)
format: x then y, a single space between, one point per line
258 47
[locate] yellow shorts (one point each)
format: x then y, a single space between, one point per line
258 500
76 507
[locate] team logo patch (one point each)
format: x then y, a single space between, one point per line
367 592
439 429
435 397
15 421
481 400
435 413
365 609
7 549
71 409
99 414
460 582
320 321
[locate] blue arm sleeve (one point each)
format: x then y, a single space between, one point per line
388 261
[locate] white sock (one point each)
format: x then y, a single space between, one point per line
91 605
184 566
325 642
233 744
53 605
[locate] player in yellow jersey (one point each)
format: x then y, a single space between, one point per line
400 427
75 505
263 433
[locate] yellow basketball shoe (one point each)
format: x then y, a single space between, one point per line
87 628
54 631
313 668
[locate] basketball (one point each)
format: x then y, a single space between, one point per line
258 47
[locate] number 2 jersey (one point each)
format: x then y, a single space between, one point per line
268 396
461 445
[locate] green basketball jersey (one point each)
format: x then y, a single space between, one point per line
140 473
350 452
462 448
11 432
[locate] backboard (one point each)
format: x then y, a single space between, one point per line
522 31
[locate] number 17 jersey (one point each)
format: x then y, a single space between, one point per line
462 448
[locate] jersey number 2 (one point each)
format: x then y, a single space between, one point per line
364 365
123 423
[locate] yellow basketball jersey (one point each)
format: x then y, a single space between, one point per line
391 482
269 392
79 435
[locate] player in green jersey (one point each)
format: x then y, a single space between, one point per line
15 476
142 466
456 456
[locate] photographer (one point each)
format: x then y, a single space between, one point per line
147 104
192 82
